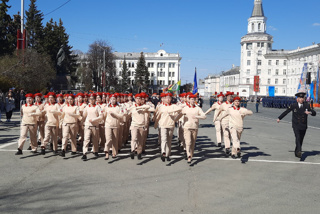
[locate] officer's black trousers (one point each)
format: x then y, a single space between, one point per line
299 138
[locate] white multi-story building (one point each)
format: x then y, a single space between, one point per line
164 68
212 85
229 80
278 70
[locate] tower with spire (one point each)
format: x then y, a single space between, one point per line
254 45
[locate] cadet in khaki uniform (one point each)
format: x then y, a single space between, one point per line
112 113
145 101
29 114
236 115
191 115
53 113
180 133
166 115
102 140
137 112
60 105
225 121
81 105
40 119
92 116
156 116
215 107
70 116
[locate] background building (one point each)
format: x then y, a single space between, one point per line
164 68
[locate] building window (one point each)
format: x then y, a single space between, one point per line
283 90
249 46
277 62
169 82
172 81
284 71
259 62
248 62
150 64
276 90
260 53
152 74
248 71
171 65
259 26
276 81
252 27
269 71
161 65
172 74
284 81
277 71
259 71
269 45
248 80
248 53
285 62
269 81
169 74
269 62
262 44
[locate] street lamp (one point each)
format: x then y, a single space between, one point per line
104 68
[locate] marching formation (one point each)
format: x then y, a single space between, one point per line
109 121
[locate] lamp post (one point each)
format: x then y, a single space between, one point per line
104 68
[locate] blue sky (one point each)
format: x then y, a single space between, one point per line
206 33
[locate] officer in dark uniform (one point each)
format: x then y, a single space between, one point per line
300 113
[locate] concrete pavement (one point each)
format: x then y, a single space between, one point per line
268 178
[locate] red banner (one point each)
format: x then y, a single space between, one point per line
256 84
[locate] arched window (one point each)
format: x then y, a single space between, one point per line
259 26
252 27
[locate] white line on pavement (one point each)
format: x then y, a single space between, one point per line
197 158
8 144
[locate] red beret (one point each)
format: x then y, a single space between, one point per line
193 96
45 96
130 95
189 93
237 98
228 93
99 94
86 95
59 95
38 95
154 94
80 95
220 95
52 94
138 95
182 95
29 95
168 94
71 95
92 95
115 94
162 95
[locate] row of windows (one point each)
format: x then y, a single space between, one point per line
259 45
162 74
162 82
259 62
150 64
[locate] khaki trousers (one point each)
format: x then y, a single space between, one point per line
120 137
159 136
181 134
32 128
50 131
102 136
236 135
190 136
136 138
41 125
70 130
226 135
81 133
112 139
166 138
217 125
88 131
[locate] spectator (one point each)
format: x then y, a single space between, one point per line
257 104
200 101
10 105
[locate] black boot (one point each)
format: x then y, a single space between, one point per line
234 156
29 148
168 158
43 151
219 144
96 154
132 155
84 157
139 157
163 158
73 153
227 152
63 153
19 152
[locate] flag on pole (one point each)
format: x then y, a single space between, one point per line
175 87
303 78
195 83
